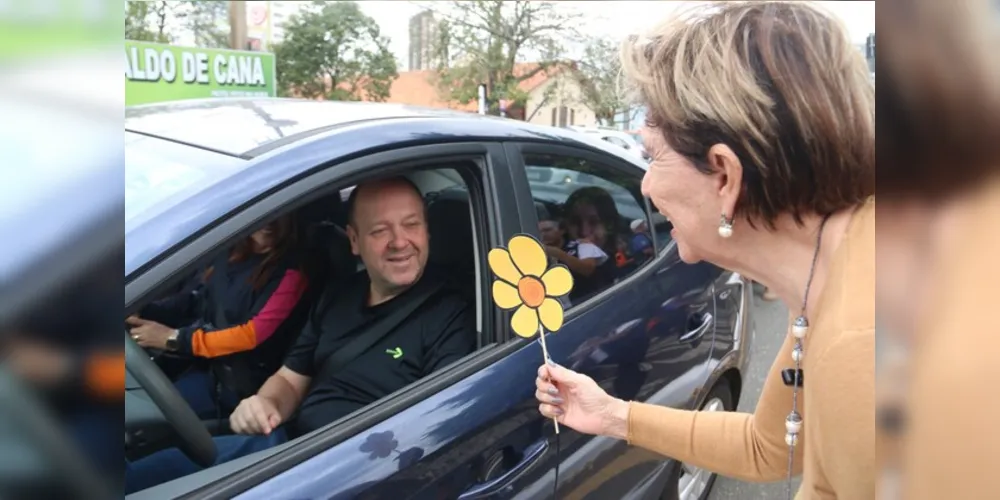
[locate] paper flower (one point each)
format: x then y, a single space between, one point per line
525 282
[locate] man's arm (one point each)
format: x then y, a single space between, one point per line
282 393
285 390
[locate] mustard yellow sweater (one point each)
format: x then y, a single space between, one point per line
836 451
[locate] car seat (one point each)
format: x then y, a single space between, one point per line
452 245
325 245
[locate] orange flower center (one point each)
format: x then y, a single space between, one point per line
532 291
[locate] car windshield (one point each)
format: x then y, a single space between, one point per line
160 175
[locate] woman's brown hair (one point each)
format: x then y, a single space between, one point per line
781 84
939 103
284 234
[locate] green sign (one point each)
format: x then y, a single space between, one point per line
156 72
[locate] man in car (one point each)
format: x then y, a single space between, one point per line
387 228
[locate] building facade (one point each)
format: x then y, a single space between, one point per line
424 30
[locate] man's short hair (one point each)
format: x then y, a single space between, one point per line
353 198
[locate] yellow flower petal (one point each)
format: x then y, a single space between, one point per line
558 281
505 296
551 314
528 255
525 322
502 266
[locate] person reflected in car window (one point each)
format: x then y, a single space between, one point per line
233 317
591 220
387 227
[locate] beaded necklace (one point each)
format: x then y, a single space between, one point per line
793 423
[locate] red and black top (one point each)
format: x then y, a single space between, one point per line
224 315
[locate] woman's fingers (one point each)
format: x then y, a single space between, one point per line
544 385
558 374
550 411
548 397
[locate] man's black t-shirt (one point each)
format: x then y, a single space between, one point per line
436 334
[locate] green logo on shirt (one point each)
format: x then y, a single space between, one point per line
395 353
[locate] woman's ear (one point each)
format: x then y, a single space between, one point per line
729 177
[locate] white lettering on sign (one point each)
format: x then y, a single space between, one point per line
238 70
168 66
188 70
201 59
153 64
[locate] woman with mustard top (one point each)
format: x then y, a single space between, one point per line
938 244
761 127
231 323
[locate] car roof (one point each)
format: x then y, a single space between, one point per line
249 127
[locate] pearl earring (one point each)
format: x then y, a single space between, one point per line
725 227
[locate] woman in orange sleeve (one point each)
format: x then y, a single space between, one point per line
232 319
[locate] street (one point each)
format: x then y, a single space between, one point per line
772 320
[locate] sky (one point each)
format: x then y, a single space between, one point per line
599 18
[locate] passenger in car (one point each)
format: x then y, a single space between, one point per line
233 316
591 219
388 231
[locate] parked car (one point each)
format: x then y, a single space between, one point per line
201 174
625 140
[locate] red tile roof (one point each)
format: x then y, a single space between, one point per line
419 88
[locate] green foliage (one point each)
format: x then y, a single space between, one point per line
482 41
147 21
209 21
333 51
597 72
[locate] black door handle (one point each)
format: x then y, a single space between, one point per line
532 455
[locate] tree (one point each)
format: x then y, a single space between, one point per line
147 21
334 51
481 42
208 20
597 73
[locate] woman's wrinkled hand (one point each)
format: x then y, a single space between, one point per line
579 403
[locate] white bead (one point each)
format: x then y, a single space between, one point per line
725 231
800 328
791 440
793 424
797 355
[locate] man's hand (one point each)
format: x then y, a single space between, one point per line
255 416
148 333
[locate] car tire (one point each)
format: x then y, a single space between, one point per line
687 483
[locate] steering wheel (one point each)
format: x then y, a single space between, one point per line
195 440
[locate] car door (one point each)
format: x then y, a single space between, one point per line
474 431
646 337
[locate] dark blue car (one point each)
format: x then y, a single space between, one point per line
202 174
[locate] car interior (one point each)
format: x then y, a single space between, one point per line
326 252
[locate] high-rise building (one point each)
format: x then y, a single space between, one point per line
424 31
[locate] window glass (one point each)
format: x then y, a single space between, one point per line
592 219
616 141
